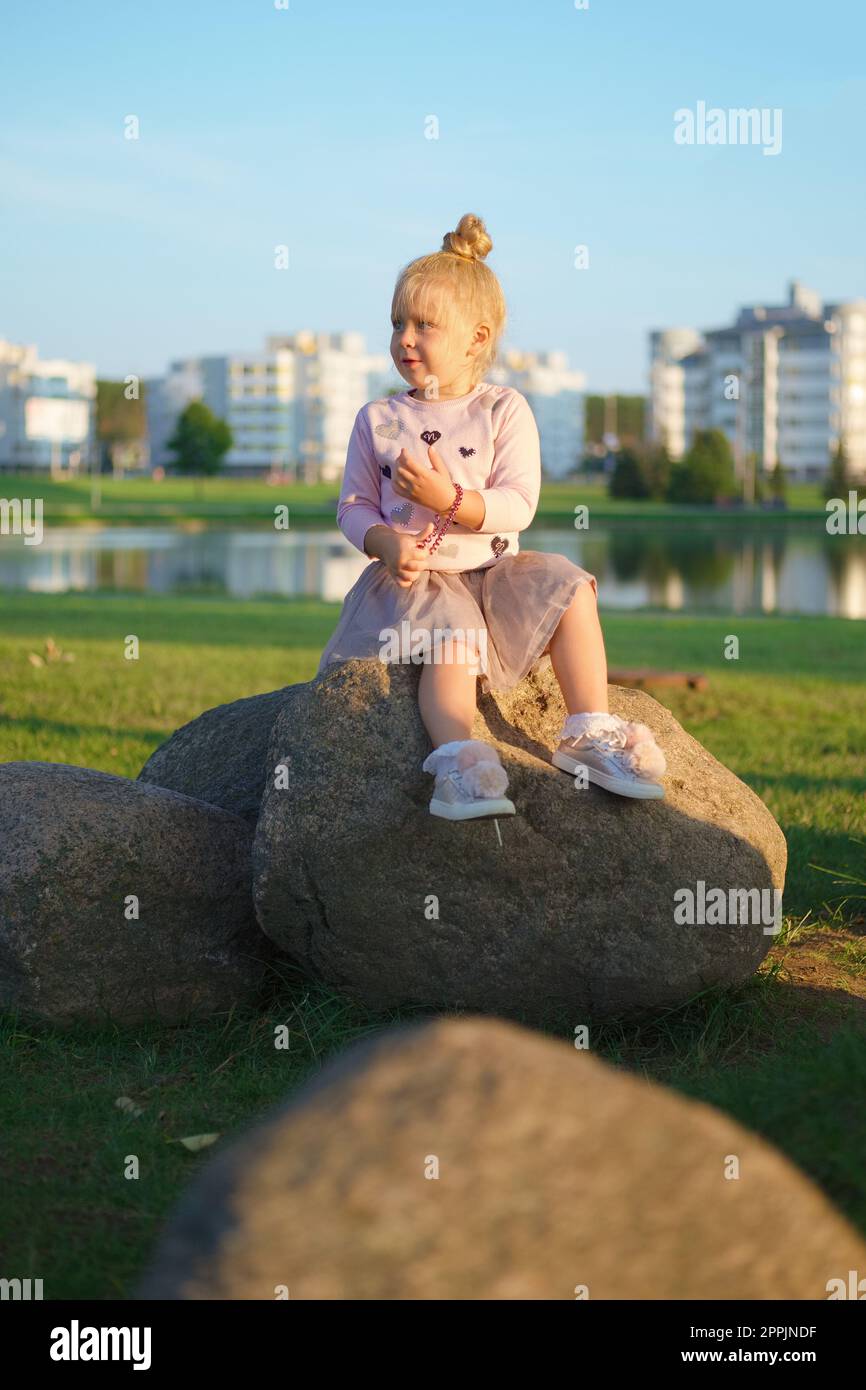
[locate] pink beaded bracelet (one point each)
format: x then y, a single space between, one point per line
437 535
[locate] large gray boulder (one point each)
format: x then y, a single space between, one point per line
220 756
573 911
80 853
472 1159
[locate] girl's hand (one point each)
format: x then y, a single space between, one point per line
428 487
402 558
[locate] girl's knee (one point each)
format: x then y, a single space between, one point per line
453 661
569 572
460 647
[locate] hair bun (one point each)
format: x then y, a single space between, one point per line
469 239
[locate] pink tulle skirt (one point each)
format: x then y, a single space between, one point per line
509 611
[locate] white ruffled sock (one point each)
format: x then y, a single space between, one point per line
444 758
596 723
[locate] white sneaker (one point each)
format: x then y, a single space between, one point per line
621 756
470 781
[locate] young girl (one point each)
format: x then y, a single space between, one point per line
440 480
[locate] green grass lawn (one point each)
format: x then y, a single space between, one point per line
785 1054
238 499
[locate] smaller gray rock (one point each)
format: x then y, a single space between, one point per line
221 756
76 847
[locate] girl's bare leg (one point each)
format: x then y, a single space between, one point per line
446 697
578 657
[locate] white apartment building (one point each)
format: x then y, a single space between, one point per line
555 392
786 383
290 407
47 411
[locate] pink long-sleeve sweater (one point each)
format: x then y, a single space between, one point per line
488 441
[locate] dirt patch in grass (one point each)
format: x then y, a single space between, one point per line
826 967
826 957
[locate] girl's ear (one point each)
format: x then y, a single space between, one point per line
480 338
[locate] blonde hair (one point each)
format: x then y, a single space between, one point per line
454 287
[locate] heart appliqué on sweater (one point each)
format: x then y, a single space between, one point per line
389 431
386 471
430 436
402 513
498 545
466 452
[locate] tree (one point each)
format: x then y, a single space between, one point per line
706 474
119 420
837 482
624 416
657 471
200 441
627 478
778 483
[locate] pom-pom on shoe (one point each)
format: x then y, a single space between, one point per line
470 781
621 756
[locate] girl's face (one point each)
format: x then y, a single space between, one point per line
424 348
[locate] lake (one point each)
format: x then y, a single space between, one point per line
722 568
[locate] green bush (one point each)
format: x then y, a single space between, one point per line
641 474
838 482
706 474
628 478
777 482
657 468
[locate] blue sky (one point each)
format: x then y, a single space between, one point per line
305 126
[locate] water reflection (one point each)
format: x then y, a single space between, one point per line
798 570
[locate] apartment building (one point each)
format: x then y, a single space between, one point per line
47 411
556 394
290 407
786 383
